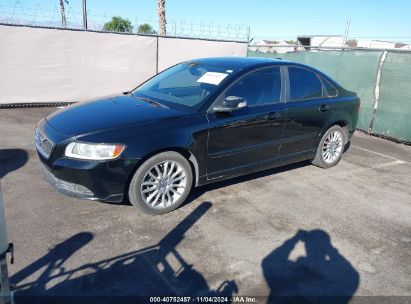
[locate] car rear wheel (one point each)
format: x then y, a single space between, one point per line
161 184
330 149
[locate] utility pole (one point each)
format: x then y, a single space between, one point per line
248 35
347 29
84 15
63 14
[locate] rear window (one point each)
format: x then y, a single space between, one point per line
304 84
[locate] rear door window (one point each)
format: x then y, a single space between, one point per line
304 84
330 89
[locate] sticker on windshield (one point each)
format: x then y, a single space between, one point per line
212 78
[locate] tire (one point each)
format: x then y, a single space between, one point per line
330 148
161 184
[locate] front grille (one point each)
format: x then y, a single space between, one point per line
43 144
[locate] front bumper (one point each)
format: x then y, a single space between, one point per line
85 179
67 188
90 184
91 180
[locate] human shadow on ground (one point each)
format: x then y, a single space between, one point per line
158 270
11 160
321 275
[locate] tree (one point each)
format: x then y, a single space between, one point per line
118 24
399 45
352 43
146 28
63 13
161 10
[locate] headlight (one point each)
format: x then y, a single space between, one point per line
93 151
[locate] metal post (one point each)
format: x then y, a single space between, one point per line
377 91
347 28
84 15
5 297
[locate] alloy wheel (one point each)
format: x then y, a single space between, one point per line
163 184
332 147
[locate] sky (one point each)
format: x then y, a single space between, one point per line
385 20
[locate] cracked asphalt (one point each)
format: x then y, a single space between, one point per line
291 231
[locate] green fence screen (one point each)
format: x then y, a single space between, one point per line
393 116
355 71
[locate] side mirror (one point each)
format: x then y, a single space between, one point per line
230 104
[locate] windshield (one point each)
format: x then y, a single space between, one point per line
185 85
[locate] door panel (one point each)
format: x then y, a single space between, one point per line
244 138
308 111
303 125
251 135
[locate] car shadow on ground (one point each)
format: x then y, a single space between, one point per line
11 160
318 275
121 279
197 192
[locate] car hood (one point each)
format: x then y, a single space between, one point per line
108 113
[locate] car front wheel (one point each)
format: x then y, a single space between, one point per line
330 149
161 184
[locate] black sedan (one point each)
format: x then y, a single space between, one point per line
196 123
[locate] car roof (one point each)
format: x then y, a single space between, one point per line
239 63
250 63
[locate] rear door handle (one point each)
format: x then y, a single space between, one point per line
273 116
325 107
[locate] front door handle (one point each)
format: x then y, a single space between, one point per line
325 107
273 116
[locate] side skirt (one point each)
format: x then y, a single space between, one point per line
255 167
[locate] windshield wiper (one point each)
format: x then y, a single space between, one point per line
150 101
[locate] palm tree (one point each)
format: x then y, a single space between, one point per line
162 16
63 13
